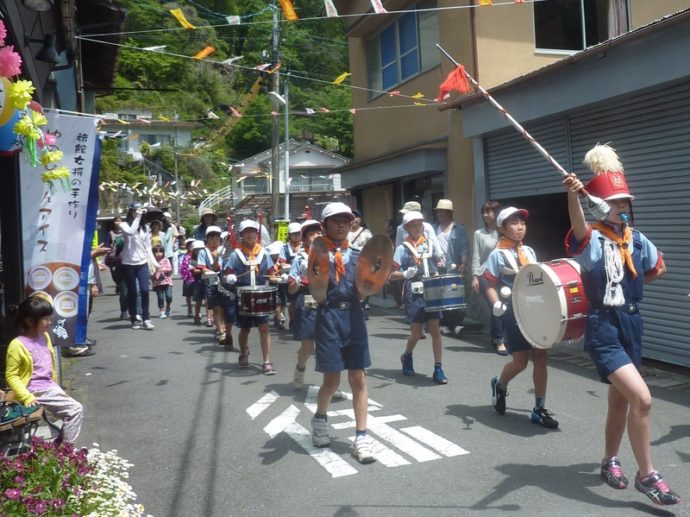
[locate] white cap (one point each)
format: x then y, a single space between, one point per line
337 209
249 224
188 241
309 223
507 212
223 235
412 216
411 206
197 245
213 229
294 228
274 247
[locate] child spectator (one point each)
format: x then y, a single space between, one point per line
162 282
187 276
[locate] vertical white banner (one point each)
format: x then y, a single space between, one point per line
58 221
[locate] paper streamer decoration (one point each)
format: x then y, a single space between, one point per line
378 6
180 17
205 52
341 78
288 10
331 11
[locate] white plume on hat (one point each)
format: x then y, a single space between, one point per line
603 158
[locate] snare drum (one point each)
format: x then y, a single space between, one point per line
549 302
444 292
256 301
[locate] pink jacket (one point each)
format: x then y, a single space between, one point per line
164 274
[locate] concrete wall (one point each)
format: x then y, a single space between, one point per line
377 207
643 12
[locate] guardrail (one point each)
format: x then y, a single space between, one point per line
218 197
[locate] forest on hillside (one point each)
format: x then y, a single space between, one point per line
172 85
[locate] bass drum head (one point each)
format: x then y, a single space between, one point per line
539 305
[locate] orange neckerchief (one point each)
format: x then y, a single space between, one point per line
622 241
337 256
507 244
295 248
416 245
251 254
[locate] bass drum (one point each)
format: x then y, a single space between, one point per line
549 302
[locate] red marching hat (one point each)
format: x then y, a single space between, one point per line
609 182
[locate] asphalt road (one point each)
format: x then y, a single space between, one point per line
209 439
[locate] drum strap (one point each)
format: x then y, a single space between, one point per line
423 256
257 260
510 261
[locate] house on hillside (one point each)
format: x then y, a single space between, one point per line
575 71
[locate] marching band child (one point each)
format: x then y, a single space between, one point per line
616 262
162 282
280 280
209 261
501 267
197 287
341 335
187 276
250 259
288 253
417 258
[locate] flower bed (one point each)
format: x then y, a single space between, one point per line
57 479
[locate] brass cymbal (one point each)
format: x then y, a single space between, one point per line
374 265
318 269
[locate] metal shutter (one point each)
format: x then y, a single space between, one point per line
651 133
514 168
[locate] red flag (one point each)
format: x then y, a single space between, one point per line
456 81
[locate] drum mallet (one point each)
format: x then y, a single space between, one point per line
597 206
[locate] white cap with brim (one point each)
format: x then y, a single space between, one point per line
310 223
213 229
337 209
509 211
412 216
197 245
248 224
294 228
274 247
186 242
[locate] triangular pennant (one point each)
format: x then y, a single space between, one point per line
206 51
324 110
288 10
235 113
232 20
456 81
352 110
179 16
394 93
418 95
331 11
341 78
485 2
378 6
211 115
309 111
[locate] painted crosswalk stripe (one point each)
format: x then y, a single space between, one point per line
282 421
402 442
329 460
371 419
260 405
436 442
384 455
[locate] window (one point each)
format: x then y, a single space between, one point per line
573 25
404 48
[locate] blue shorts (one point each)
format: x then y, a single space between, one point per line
304 325
341 339
211 294
415 308
247 322
282 295
187 289
198 293
515 341
613 338
229 306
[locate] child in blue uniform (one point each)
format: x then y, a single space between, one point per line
341 335
210 264
417 258
250 256
288 253
501 267
616 261
279 280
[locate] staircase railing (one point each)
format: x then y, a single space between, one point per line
218 197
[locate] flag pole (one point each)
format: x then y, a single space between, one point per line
597 206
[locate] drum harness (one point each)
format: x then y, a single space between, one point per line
303 257
418 287
251 264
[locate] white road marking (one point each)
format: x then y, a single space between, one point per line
384 455
282 421
332 462
436 442
260 405
402 442
370 420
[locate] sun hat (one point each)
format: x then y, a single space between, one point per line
412 216
411 206
444 204
507 212
207 211
337 208
294 228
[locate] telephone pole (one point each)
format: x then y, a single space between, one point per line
275 127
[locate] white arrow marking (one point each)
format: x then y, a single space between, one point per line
436 442
260 405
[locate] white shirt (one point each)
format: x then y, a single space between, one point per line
443 236
137 247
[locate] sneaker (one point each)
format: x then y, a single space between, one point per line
613 475
148 325
298 379
654 487
138 317
136 325
163 315
407 366
542 416
209 322
189 313
220 337
243 361
228 344
338 395
364 449
77 351
438 376
124 315
269 369
498 396
197 321
319 432
168 311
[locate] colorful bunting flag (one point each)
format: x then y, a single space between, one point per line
132 137
274 69
352 110
288 10
179 16
394 93
324 110
378 6
419 104
456 81
235 113
485 2
163 118
123 122
211 115
418 95
519 1
205 52
341 78
262 67
309 111
232 20
331 11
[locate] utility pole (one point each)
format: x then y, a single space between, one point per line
286 160
177 181
275 127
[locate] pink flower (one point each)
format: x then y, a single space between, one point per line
18 480
13 493
3 33
10 62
